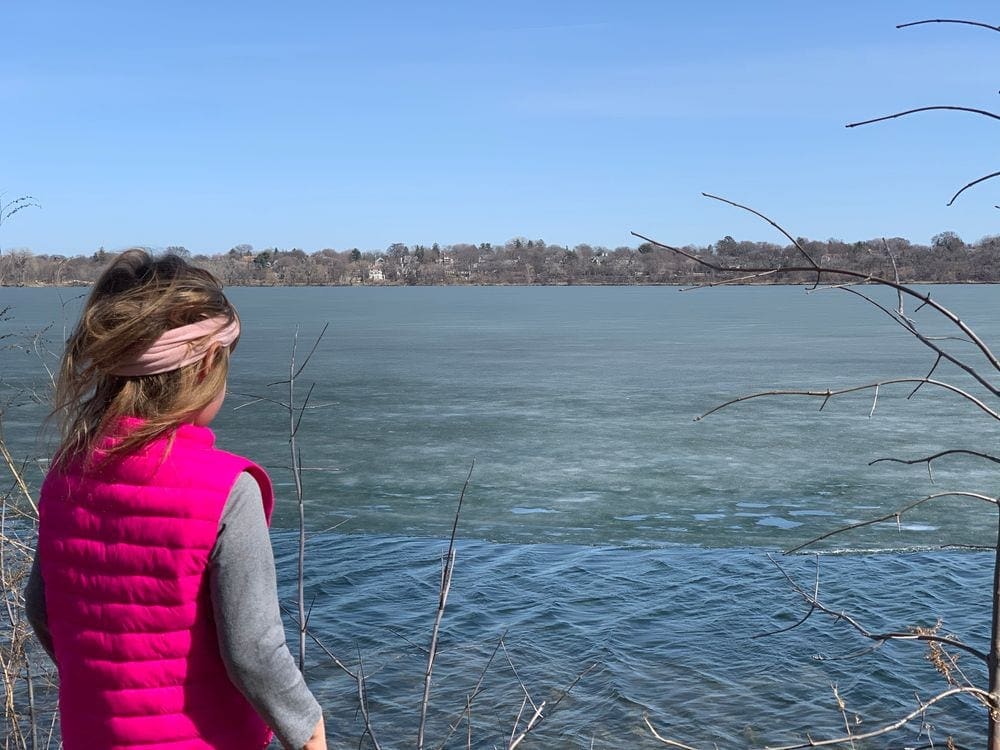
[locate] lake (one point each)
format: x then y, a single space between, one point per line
602 523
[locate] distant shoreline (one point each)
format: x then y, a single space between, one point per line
398 285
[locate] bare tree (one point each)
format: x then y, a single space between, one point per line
974 378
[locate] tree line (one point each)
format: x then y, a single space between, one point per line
947 259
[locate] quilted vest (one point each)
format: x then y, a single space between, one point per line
124 549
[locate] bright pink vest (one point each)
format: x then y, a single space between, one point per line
124 551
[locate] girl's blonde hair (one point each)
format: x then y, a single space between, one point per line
136 300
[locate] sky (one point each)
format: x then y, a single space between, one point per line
333 124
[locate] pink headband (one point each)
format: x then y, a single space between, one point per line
182 346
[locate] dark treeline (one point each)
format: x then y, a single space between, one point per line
523 261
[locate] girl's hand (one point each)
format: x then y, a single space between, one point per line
318 739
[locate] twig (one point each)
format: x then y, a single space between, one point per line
829 393
815 604
446 572
662 739
895 515
773 223
971 184
363 702
467 712
928 459
924 298
919 711
537 716
843 712
949 107
948 20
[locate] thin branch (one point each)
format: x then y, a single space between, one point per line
319 643
894 516
919 711
794 585
446 573
256 400
312 351
928 459
949 107
843 712
537 717
815 604
829 393
472 696
524 689
664 740
900 311
302 409
974 182
726 282
948 20
18 475
924 298
363 702
911 327
773 223
930 372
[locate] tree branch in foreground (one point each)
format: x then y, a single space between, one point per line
924 298
893 516
827 394
919 711
948 20
812 599
446 573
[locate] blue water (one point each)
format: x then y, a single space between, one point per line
603 524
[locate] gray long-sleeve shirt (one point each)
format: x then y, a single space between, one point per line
243 589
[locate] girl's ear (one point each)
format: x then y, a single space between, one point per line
208 361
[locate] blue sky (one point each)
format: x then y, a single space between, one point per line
328 124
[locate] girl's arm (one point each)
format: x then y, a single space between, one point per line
251 635
34 607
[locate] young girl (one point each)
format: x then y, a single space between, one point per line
153 586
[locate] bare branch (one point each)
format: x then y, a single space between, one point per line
920 710
911 327
472 696
843 712
363 702
924 298
928 459
895 275
774 224
537 716
312 351
726 282
446 573
829 393
894 516
930 372
974 182
319 643
812 599
664 740
948 20
949 107
18 204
